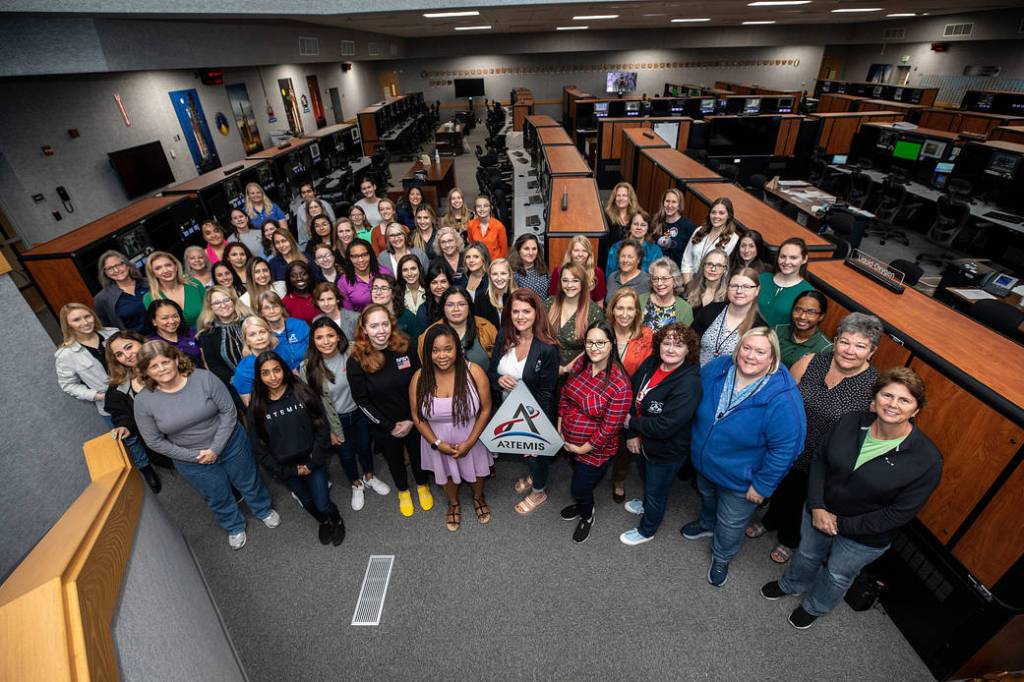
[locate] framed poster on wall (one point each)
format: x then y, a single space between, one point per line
245 118
291 106
194 128
316 101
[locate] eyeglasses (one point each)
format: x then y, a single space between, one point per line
220 302
456 304
806 311
111 268
353 256
742 287
596 345
661 280
714 266
324 256
380 289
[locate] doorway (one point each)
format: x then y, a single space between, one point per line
389 83
829 69
335 96
316 101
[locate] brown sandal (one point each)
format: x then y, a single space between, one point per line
454 518
483 511
529 504
523 485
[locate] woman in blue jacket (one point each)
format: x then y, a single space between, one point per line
748 430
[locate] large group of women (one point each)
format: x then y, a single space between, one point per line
394 332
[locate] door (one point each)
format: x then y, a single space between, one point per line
335 96
389 83
316 101
829 69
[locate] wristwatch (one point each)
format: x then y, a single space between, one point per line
435 444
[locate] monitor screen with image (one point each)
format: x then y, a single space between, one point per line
621 81
906 150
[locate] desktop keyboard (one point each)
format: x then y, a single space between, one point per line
1005 217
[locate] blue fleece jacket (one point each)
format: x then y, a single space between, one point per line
758 441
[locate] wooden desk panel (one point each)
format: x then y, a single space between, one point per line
1008 134
553 136
213 177
751 213
542 121
288 147
920 130
831 103
661 168
441 177
889 353
837 129
585 216
995 540
565 160
633 141
957 121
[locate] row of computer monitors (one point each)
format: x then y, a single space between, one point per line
1000 164
703 106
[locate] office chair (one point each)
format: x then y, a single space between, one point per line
841 227
729 172
892 205
1000 316
951 216
790 211
755 186
698 155
960 189
860 188
912 272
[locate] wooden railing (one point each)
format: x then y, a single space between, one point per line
57 607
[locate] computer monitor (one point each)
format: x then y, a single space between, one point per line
707 106
662 106
752 105
898 94
632 108
954 152
933 149
839 159
620 81
985 102
314 152
876 91
677 106
601 109
945 167
1003 165
907 150
785 105
886 139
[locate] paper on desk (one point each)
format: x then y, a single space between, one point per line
972 294
1019 290
793 183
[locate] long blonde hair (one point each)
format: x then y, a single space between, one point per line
154 283
295 253
492 293
638 318
752 314
254 321
658 222
610 210
207 317
65 329
589 265
582 305
456 219
249 210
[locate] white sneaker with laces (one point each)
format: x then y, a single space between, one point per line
378 486
272 520
635 507
236 540
357 497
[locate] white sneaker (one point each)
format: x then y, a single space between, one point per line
378 486
237 540
635 507
272 520
357 497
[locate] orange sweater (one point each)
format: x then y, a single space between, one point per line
637 350
495 239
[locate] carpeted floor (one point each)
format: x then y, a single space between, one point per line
517 599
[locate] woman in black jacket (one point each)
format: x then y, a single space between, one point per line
667 391
291 440
219 329
868 479
527 351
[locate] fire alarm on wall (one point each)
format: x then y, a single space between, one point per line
939 47
346 66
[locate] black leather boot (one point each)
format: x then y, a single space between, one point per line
338 536
152 480
325 532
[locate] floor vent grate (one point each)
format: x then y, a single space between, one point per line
370 604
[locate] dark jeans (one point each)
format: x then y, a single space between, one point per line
235 466
314 495
539 467
355 451
824 586
786 510
657 482
585 478
727 513
394 450
621 462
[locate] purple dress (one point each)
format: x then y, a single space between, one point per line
476 463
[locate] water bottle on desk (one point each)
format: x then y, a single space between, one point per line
437 157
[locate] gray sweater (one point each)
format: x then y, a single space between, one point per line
199 416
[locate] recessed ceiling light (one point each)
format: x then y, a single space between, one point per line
757 23
594 17
690 21
571 28
473 28
777 3
444 15
902 14
655 15
851 10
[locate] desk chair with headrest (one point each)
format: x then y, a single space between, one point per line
860 185
755 185
1000 316
729 172
892 206
951 217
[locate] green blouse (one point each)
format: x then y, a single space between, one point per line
775 303
194 294
568 345
793 351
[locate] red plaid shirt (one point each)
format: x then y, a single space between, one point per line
593 409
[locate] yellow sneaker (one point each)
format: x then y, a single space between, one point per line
405 502
426 499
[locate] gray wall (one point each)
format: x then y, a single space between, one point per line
42 468
857 59
39 111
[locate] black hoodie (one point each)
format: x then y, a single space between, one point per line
295 437
665 413
884 494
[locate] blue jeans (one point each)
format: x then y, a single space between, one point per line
355 451
727 513
235 466
657 481
314 495
136 450
824 586
585 478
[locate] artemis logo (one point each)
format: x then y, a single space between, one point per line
523 417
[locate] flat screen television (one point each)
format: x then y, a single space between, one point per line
141 169
746 136
621 81
469 87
